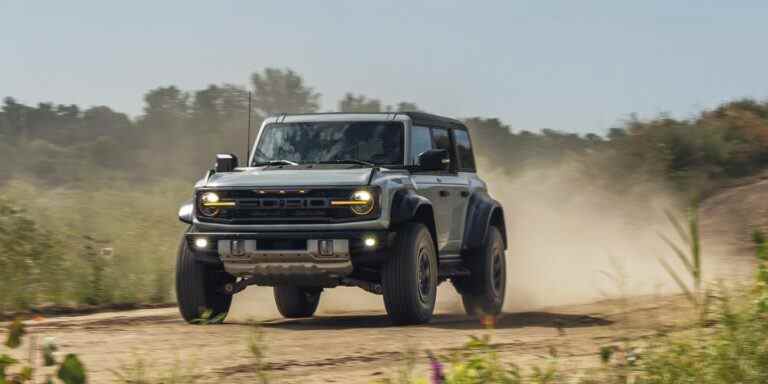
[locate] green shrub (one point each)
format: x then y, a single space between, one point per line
31 261
736 350
98 244
70 371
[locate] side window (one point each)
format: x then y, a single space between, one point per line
464 150
421 141
440 139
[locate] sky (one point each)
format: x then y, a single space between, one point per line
576 66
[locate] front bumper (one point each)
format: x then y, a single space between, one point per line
382 223
314 258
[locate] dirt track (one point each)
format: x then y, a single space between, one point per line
349 347
351 341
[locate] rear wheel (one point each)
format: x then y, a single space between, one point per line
293 301
199 288
409 279
483 291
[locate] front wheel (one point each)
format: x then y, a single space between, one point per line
409 278
199 289
483 291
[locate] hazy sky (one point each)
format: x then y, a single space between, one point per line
569 65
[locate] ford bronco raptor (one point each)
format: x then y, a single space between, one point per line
388 202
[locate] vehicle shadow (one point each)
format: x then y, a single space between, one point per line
443 321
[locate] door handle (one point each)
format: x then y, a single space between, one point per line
444 193
464 193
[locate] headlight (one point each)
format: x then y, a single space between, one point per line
361 202
363 197
209 197
210 204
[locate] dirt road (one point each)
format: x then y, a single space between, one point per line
342 347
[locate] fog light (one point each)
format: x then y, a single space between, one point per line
370 242
201 242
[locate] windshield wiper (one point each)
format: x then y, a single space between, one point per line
275 162
348 161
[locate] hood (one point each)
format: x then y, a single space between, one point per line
265 177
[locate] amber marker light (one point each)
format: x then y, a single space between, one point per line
212 200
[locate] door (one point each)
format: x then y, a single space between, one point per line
452 194
446 190
427 183
445 194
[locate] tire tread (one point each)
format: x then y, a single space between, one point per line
197 287
401 297
292 302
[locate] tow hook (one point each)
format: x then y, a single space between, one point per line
236 287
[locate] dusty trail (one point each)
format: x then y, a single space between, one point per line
349 347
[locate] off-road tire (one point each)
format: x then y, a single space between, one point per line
199 288
409 278
294 302
483 291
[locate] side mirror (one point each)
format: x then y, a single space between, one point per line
434 160
226 162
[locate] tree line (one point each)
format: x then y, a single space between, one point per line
179 131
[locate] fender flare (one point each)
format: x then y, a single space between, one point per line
406 204
409 206
482 212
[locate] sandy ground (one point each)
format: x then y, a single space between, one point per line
344 347
351 340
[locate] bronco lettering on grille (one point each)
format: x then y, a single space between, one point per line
285 203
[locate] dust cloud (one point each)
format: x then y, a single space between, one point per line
573 239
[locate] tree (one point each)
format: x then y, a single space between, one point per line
405 106
166 102
103 121
489 136
165 130
166 110
277 91
14 118
220 118
216 107
359 103
616 134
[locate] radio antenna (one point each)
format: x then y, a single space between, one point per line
248 143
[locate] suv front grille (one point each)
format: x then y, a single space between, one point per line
281 206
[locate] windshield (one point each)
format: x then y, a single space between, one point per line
376 142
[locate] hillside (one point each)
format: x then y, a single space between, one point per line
735 211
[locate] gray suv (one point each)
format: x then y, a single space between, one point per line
388 202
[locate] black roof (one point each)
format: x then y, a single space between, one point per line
428 119
418 118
